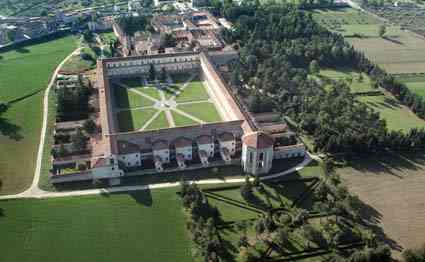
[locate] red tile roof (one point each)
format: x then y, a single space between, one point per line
258 140
226 136
204 139
182 142
160 145
125 147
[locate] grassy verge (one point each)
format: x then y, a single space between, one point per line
24 73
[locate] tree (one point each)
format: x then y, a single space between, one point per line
314 67
382 30
78 140
414 255
167 40
90 126
152 72
3 107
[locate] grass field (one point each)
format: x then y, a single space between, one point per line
159 122
398 117
391 187
204 111
416 84
140 226
125 98
402 53
181 120
132 93
130 120
398 51
356 84
24 72
194 91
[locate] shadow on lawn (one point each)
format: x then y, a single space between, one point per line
143 197
1 212
388 163
9 129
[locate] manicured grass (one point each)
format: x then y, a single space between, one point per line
398 117
159 122
356 84
150 91
125 98
140 226
181 120
130 120
194 91
204 111
23 72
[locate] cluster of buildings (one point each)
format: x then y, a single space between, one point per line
192 31
239 139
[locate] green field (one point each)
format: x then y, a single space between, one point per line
398 117
141 226
416 84
23 72
130 120
356 85
205 111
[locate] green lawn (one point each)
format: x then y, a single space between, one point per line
125 98
159 122
181 120
204 111
415 83
131 120
150 91
398 117
76 64
140 226
356 85
24 72
194 91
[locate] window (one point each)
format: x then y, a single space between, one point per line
250 157
261 157
128 164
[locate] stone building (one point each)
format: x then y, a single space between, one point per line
257 153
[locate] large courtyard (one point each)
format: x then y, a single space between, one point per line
181 100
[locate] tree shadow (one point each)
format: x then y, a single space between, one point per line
371 218
392 40
143 197
10 130
1 212
22 50
388 163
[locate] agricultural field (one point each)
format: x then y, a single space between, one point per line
398 51
392 188
142 106
416 84
398 116
24 74
144 226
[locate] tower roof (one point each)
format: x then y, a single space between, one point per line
258 140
